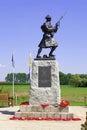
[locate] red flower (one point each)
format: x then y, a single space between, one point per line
44 105
64 103
49 119
76 119
14 118
66 119
25 103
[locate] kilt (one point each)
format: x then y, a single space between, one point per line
48 42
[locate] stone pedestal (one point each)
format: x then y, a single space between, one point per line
45 86
44 90
38 111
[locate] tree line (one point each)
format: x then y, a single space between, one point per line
18 77
78 80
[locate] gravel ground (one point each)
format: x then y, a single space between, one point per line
7 112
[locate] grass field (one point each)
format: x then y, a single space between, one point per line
21 92
76 96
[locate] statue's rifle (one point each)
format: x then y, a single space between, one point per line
58 22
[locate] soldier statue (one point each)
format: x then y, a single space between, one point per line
48 40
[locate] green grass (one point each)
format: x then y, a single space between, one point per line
17 88
21 92
76 96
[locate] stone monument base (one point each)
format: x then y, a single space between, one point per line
45 87
38 111
44 93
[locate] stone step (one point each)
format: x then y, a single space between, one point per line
39 108
44 115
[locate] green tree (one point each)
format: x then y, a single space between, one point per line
21 77
9 77
18 77
82 83
62 77
74 80
69 79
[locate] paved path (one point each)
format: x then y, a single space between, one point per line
7 112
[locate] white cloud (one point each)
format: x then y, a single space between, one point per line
1 65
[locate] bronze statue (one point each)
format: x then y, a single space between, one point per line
48 40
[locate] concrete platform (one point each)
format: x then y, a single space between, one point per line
43 112
8 112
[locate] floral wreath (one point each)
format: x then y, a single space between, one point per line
64 103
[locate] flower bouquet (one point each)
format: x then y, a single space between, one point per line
44 105
24 103
64 103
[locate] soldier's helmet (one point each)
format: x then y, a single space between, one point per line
48 17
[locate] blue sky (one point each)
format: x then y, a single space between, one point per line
20 22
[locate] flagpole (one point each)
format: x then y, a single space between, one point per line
29 74
13 83
13 65
30 65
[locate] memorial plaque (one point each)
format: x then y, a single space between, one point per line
44 76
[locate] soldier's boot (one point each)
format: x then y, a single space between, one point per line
51 52
38 54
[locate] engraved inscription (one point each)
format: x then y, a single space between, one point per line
44 76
